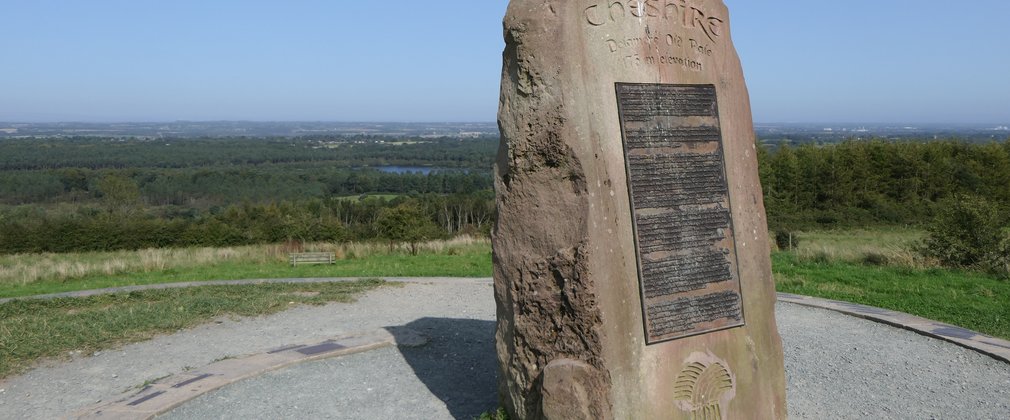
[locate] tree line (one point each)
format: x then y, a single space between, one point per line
857 183
58 208
124 225
205 187
353 151
97 194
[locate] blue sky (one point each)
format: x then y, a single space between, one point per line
406 60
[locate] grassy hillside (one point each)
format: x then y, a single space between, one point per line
32 274
881 268
873 267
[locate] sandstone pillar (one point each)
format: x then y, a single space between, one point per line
632 275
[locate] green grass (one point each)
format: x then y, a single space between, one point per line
885 246
970 300
496 415
25 275
833 264
426 265
31 330
857 238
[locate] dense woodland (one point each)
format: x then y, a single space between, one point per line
82 194
355 151
857 183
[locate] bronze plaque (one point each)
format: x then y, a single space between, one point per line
687 264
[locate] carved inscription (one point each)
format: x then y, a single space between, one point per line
655 33
681 209
602 12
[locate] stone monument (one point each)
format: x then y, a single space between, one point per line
632 275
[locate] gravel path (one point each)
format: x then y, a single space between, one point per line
838 366
61 387
841 367
453 376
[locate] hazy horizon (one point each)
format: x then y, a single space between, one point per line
115 61
306 121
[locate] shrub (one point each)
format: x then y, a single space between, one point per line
786 240
875 258
406 223
970 232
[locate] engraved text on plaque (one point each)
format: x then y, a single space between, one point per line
681 209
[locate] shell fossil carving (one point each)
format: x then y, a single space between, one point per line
701 388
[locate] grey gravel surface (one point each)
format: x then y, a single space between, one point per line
841 367
838 367
451 377
60 387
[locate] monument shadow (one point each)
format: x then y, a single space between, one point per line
458 363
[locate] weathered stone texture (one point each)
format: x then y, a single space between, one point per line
548 311
570 336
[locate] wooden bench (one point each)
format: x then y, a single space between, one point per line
312 258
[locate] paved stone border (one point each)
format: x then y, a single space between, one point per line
165 394
991 346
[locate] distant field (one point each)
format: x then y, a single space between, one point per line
24 275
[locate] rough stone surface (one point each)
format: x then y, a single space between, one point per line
566 391
566 268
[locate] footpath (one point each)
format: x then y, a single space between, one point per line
426 351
